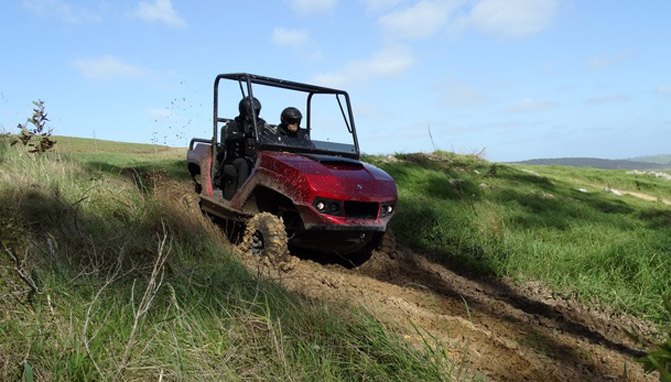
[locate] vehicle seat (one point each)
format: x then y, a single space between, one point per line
230 181
235 175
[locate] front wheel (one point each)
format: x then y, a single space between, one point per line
266 239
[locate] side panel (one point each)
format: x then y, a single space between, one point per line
201 155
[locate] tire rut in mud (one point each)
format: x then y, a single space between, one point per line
487 326
490 326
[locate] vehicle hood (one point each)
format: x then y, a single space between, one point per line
327 175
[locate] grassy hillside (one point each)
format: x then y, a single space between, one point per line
104 277
609 164
553 224
120 157
658 159
87 145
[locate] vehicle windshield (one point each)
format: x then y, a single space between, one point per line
274 141
325 126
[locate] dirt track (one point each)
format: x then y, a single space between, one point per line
489 327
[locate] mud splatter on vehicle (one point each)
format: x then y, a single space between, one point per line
328 200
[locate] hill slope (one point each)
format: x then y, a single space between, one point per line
66 144
499 272
657 159
621 164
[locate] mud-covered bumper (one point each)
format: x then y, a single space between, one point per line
314 220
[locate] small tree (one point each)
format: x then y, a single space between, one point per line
38 137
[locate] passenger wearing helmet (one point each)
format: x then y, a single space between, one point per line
290 125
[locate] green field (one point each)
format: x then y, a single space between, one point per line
553 224
102 278
79 226
88 145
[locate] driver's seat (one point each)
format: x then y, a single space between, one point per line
235 174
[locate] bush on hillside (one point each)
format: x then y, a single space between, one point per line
37 137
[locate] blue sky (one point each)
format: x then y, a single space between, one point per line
509 79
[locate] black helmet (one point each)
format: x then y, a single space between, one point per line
246 104
291 114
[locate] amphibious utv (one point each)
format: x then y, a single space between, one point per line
315 196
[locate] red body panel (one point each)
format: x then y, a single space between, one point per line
303 179
201 155
327 199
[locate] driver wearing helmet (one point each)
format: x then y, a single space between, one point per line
290 122
241 128
238 138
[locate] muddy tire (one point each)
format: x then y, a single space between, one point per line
266 239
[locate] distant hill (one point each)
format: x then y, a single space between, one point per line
658 159
89 145
612 164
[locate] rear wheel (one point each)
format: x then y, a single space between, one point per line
266 238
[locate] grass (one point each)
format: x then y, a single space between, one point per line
103 280
596 179
103 277
98 146
533 223
118 158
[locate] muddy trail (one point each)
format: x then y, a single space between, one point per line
490 328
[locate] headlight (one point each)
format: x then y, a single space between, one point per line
327 206
386 209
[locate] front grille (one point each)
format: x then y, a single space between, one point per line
361 210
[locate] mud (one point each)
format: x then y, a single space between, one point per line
491 328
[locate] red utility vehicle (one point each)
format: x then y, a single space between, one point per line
315 196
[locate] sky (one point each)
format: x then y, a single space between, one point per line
505 79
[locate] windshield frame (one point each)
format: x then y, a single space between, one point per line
246 81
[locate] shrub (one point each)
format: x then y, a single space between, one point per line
38 137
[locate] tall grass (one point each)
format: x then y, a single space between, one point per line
534 223
103 279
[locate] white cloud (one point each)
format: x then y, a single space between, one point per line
597 63
297 39
62 10
420 20
510 18
388 62
663 89
290 37
607 99
604 61
312 6
379 5
159 114
161 11
531 106
108 67
502 18
458 94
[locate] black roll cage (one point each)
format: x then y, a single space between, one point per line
249 79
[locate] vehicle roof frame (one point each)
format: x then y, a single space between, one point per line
250 79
